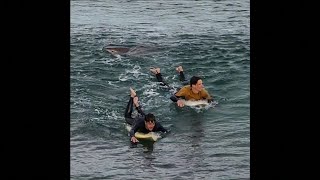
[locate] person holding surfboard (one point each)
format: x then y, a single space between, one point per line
144 123
194 92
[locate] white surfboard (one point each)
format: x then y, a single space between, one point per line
149 136
199 103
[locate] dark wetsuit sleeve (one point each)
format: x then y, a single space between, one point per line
161 128
174 98
136 127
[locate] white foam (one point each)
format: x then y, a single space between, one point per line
133 73
114 115
110 83
200 104
123 77
150 93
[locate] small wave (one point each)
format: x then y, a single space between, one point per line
150 93
111 84
123 77
134 73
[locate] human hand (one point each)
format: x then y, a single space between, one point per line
134 139
180 103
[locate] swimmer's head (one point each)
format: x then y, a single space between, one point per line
150 121
196 83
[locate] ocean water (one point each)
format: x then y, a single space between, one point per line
210 39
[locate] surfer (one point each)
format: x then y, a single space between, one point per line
195 91
144 123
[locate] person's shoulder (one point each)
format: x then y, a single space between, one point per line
183 90
204 91
140 120
186 87
158 125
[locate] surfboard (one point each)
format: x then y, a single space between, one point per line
152 136
199 103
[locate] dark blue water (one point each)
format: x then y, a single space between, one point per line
209 39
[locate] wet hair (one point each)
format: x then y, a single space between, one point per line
150 118
194 80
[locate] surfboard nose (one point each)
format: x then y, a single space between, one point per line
155 136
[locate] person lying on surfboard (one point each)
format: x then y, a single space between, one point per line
195 91
144 123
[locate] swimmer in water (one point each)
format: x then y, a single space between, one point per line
144 123
195 91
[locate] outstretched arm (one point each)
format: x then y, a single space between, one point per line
175 97
132 137
134 129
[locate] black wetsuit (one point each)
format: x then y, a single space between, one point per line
163 83
182 79
137 123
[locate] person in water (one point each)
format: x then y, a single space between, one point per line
144 123
195 91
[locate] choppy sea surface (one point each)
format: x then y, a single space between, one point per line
210 39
